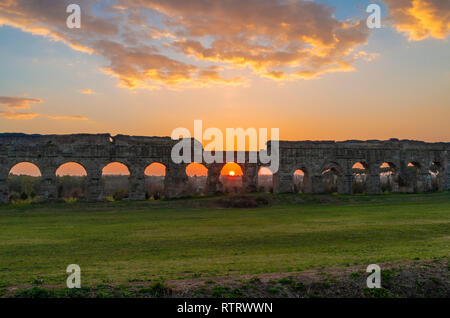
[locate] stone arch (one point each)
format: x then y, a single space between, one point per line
231 175
388 174
197 175
264 179
116 180
301 180
71 180
436 177
360 174
411 179
332 178
155 177
24 181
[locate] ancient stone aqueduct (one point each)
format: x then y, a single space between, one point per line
94 152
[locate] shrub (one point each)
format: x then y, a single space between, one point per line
35 292
109 198
70 200
158 289
377 293
76 193
262 200
14 196
242 201
120 195
23 196
21 203
358 187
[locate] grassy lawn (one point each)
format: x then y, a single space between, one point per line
127 241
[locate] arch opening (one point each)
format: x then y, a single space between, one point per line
412 182
197 178
265 180
388 178
435 180
299 181
330 180
116 181
24 182
71 181
359 178
155 176
231 178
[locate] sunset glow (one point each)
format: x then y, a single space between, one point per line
264 171
155 169
116 168
231 169
25 168
196 169
71 169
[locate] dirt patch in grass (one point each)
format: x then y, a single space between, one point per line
414 279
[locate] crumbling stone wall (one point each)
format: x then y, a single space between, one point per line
94 152
314 157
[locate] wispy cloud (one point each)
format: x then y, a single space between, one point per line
18 115
68 117
11 103
17 102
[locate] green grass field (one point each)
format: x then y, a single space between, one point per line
120 242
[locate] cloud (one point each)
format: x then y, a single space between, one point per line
16 115
273 38
68 117
166 43
420 19
10 104
87 91
17 102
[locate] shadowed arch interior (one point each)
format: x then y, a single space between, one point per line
331 177
388 178
412 181
436 177
299 178
359 177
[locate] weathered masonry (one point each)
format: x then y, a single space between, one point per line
409 161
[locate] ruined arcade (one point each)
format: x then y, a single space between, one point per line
314 158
